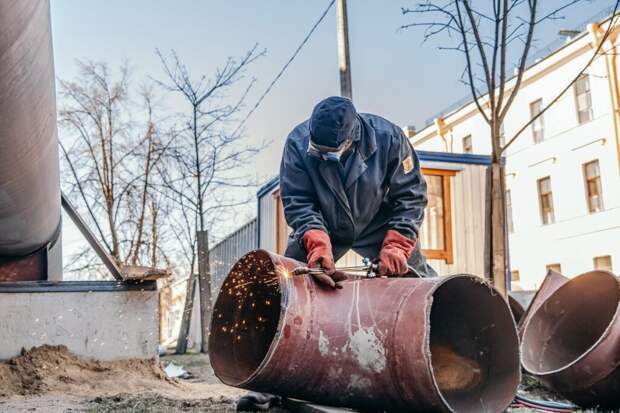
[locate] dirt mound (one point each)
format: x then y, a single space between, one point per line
54 368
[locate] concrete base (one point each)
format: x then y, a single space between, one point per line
102 320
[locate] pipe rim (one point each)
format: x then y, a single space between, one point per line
515 338
283 283
615 317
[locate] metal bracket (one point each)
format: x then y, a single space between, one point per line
103 255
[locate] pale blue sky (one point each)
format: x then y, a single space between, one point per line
394 75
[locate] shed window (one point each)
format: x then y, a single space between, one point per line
545 200
436 232
515 276
603 263
583 101
538 126
594 192
554 267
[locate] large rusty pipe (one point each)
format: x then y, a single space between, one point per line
572 341
29 168
397 344
553 280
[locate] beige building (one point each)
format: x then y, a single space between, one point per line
563 172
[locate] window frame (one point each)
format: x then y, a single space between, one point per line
471 145
540 201
540 119
446 253
585 77
586 181
512 276
611 262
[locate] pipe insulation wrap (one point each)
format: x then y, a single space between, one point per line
29 165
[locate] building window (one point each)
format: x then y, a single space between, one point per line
545 200
554 267
603 263
594 192
538 126
467 146
511 226
583 101
436 231
515 276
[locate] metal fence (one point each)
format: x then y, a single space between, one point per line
226 253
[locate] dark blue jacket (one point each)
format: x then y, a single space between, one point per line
383 190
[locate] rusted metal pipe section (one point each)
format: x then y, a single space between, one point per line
382 344
553 280
29 169
572 341
516 308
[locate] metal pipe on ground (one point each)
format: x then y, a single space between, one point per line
29 169
553 280
389 344
572 341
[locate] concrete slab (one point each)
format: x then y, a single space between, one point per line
102 320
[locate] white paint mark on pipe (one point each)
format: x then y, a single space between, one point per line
323 344
368 350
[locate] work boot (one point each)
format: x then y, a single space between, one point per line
257 402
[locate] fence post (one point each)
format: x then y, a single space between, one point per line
204 285
186 317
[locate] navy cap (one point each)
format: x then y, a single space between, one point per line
332 121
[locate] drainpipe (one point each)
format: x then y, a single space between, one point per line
442 131
596 33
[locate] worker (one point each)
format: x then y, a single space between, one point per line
350 180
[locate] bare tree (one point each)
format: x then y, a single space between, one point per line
206 158
111 146
488 34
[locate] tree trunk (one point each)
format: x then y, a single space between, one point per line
204 285
187 315
496 241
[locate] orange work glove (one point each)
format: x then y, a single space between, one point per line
395 252
319 249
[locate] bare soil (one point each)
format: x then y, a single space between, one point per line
51 379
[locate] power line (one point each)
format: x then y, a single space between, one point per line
286 65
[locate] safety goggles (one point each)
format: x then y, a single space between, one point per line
328 153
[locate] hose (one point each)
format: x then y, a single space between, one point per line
544 405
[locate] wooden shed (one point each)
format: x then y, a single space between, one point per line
452 236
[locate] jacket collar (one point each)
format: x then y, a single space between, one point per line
366 147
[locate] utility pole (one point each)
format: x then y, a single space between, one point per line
344 61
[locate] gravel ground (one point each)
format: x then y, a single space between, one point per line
204 394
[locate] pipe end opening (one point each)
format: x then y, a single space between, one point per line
245 318
474 346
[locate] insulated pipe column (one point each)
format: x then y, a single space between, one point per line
382 344
29 165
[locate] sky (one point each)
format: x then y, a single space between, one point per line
393 73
